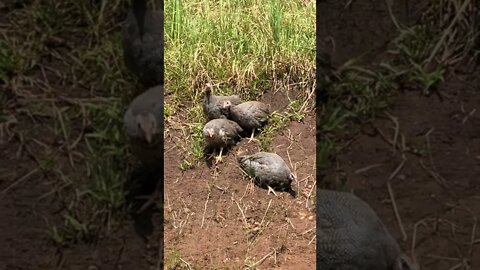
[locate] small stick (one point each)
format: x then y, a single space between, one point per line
392 198
390 12
21 179
261 260
186 263
472 239
241 211
311 241
367 168
397 130
414 237
263 219
205 209
290 222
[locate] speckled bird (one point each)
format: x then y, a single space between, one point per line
215 107
351 236
250 115
221 134
268 170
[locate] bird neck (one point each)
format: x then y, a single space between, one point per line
139 11
208 94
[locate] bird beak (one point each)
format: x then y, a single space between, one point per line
148 137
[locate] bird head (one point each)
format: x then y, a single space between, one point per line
208 93
291 177
147 125
227 104
210 133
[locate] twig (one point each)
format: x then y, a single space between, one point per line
189 266
397 130
21 179
414 237
311 241
241 211
472 238
266 211
392 198
261 260
367 168
205 209
390 12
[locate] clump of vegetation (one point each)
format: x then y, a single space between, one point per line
245 48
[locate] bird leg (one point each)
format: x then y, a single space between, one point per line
219 157
270 190
251 137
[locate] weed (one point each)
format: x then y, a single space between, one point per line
174 261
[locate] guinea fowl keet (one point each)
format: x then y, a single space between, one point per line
220 134
250 115
143 125
350 236
143 43
269 170
215 107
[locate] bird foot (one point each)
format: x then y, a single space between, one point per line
251 138
219 158
270 190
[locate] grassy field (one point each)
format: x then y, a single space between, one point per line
241 47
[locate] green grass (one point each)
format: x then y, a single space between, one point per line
240 47
174 261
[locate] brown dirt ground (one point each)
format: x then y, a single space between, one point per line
203 221
439 194
439 199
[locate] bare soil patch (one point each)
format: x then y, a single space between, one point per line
216 217
436 190
435 165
